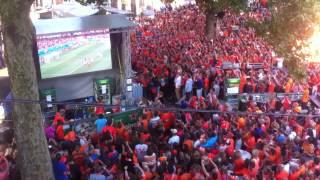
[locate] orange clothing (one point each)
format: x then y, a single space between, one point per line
169 177
298 173
276 157
60 133
308 148
71 136
185 176
58 118
145 123
305 97
251 143
271 88
282 175
147 176
288 86
120 131
241 123
238 165
254 171
149 115
299 130
189 144
206 83
243 81
318 129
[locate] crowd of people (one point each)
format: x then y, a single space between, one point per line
168 53
177 63
276 139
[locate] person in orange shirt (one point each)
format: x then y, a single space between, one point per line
308 147
144 121
282 174
189 144
241 123
254 164
305 98
318 128
298 130
288 86
296 174
60 131
100 109
185 176
273 154
238 163
250 143
271 87
243 81
206 85
149 115
59 117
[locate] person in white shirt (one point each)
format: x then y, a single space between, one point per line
188 87
155 120
141 151
177 82
175 139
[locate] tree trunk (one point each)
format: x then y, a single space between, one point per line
19 35
211 25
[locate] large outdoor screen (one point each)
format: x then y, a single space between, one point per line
74 53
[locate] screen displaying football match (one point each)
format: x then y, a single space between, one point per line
74 53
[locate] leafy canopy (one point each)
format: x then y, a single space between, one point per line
292 24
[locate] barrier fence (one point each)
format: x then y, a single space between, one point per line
138 110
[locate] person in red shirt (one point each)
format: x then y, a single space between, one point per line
100 108
206 86
282 173
271 87
60 131
109 128
59 117
286 103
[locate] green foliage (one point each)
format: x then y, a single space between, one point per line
215 6
292 24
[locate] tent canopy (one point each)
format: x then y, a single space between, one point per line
77 24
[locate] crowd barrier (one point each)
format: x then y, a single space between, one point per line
265 97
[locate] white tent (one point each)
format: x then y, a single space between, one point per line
73 9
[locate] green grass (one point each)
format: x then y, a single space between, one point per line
71 62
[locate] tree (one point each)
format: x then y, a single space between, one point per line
292 24
213 9
19 41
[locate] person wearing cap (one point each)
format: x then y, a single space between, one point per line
174 139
